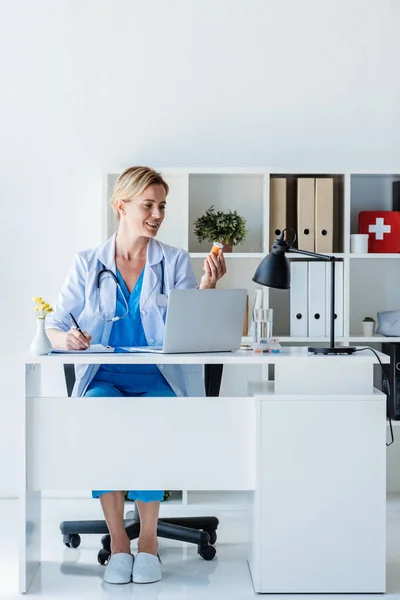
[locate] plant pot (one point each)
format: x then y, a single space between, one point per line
227 247
41 343
368 328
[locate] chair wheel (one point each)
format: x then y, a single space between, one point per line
208 552
106 542
103 556
73 541
213 535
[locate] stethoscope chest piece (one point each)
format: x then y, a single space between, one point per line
162 300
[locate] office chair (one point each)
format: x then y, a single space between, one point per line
196 530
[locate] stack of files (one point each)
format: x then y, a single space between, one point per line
315 214
310 293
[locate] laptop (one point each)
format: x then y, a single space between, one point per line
202 321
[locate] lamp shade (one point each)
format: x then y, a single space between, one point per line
273 271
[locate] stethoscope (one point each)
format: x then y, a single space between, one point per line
161 298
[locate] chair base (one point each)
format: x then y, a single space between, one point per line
195 530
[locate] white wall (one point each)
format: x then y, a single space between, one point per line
86 85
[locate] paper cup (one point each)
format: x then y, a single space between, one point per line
359 243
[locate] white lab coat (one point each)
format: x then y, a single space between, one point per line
80 296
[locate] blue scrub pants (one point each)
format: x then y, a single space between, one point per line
97 389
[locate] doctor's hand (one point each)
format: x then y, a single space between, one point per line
214 269
74 340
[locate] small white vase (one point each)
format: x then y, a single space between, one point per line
41 343
368 328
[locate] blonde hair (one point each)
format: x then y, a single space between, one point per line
132 182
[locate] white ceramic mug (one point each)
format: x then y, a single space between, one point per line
359 243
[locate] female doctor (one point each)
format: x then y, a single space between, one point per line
118 294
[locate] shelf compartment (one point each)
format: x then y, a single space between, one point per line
242 192
380 294
370 192
338 205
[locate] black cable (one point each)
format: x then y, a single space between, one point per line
386 390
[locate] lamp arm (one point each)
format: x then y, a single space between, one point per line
324 257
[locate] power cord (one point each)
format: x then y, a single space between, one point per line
386 390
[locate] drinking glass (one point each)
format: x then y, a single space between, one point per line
262 323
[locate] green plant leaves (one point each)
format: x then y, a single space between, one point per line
217 226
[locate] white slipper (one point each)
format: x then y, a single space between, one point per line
119 568
146 568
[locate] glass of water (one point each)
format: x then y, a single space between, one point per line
262 323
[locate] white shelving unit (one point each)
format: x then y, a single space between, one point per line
371 281
193 190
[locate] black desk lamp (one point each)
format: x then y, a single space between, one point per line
273 271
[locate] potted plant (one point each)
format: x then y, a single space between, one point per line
216 226
368 326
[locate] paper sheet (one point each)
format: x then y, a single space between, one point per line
93 349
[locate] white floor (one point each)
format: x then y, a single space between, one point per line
71 573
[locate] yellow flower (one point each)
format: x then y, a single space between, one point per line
42 307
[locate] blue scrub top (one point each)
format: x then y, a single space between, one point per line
131 379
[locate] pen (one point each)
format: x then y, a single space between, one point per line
76 325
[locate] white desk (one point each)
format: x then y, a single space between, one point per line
310 445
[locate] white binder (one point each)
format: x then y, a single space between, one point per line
298 298
316 299
339 332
